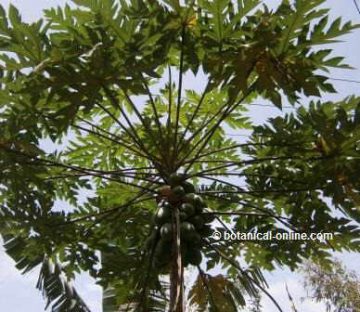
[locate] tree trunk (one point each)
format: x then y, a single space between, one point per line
177 270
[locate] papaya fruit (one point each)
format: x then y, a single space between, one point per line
187 208
176 179
208 218
194 256
196 240
185 261
178 191
187 231
199 203
188 187
166 232
195 200
162 216
197 221
199 210
184 253
162 254
166 204
189 198
183 216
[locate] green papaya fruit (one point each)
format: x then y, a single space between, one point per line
163 215
189 198
176 179
199 210
183 216
184 253
196 240
199 203
195 200
178 191
188 187
208 218
188 208
166 205
197 221
166 232
187 231
162 254
194 256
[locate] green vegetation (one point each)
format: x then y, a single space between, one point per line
145 168
334 285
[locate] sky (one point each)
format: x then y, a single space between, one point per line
18 293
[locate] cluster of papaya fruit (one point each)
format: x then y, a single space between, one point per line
194 223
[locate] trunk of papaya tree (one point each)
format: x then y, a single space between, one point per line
177 270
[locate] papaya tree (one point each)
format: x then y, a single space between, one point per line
111 165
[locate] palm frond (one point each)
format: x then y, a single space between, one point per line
57 290
60 295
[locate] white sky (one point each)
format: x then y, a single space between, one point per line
18 293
